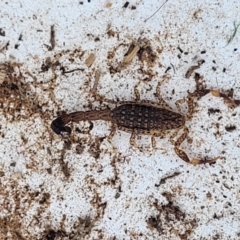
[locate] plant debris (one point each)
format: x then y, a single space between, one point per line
234 32
90 60
132 52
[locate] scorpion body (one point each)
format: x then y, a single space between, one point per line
143 118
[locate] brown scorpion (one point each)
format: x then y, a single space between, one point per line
141 118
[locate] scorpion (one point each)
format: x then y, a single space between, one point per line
146 117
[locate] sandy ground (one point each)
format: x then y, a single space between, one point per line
80 186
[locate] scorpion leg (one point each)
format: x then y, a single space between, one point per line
182 154
96 80
110 136
153 140
97 96
154 144
160 134
162 103
94 92
136 92
132 138
112 133
190 104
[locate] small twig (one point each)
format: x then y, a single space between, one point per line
234 32
156 11
173 68
169 176
167 69
132 54
90 60
73 70
52 37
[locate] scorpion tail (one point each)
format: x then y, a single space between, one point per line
58 124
